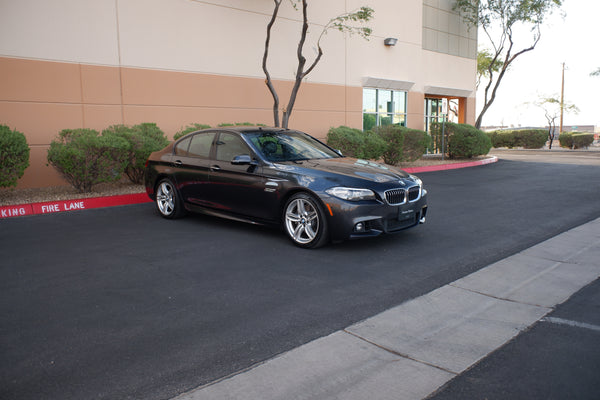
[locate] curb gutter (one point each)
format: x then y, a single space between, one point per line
49 207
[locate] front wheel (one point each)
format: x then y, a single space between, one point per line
305 222
168 202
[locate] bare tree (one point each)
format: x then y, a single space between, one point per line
498 20
342 23
551 107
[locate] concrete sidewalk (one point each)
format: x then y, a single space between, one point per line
409 351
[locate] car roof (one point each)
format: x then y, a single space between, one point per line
245 128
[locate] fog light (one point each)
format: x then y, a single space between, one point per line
360 227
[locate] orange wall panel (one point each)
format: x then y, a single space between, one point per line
173 119
100 117
38 174
29 80
40 122
100 85
168 88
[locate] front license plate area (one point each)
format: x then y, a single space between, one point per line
405 215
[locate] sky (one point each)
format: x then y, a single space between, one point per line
572 36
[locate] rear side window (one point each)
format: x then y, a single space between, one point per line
181 148
201 144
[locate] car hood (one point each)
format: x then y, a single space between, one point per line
350 167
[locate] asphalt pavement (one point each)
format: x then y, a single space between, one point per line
443 339
508 331
118 303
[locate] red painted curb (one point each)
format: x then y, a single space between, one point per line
72 205
137 198
445 167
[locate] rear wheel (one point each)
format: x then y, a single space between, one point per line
305 222
168 201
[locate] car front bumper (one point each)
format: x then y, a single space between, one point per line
353 220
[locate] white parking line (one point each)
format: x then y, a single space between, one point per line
575 324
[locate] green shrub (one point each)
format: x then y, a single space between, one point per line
369 121
151 130
356 143
14 156
531 138
466 141
142 139
526 138
85 159
581 140
566 140
502 139
574 140
345 139
374 146
402 144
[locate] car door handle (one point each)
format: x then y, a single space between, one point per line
178 163
215 168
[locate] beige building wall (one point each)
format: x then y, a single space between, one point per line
88 63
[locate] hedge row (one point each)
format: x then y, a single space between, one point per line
460 140
392 143
85 158
573 140
356 143
526 138
396 143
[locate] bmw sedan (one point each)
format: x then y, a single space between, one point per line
283 177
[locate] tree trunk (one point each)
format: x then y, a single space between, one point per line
268 81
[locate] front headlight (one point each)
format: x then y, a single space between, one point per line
351 194
417 180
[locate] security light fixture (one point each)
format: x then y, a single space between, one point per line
391 41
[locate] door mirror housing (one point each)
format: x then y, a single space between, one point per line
243 159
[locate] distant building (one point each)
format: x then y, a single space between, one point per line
92 64
566 128
578 128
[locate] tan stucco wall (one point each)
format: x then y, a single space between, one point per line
40 98
88 63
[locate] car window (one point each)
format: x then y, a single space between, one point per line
181 148
229 146
289 146
200 145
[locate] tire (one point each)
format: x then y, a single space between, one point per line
168 202
304 221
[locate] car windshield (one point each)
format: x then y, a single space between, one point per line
289 146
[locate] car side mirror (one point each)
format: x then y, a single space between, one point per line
339 152
243 159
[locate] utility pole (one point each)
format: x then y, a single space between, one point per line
562 98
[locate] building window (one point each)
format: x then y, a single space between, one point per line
441 109
383 107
